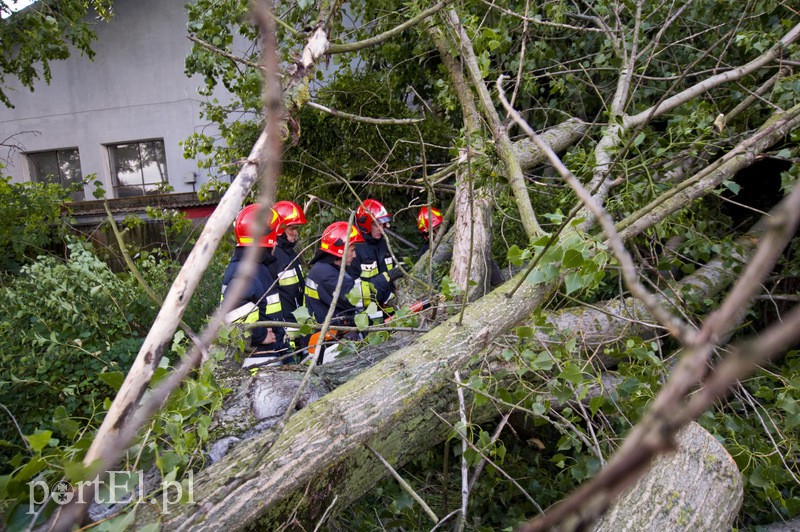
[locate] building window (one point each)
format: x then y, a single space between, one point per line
139 168
58 166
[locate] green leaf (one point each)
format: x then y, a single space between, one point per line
169 461
573 281
524 332
543 362
732 186
301 314
572 259
572 374
543 274
595 403
113 379
120 522
362 321
31 468
638 140
517 256
39 440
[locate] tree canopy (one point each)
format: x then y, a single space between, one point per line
42 33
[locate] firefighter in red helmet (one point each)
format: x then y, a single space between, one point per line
324 275
429 221
373 262
287 266
260 300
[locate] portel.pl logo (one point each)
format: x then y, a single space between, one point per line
120 487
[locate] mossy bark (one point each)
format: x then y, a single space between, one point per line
698 487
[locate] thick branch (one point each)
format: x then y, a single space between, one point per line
503 147
714 81
741 156
372 41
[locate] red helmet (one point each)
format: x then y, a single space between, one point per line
378 211
244 225
290 212
333 238
435 217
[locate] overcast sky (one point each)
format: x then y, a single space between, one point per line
16 6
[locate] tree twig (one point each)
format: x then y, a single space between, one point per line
372 41
365 119
405 485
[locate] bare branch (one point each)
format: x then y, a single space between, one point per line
123 420
403 484
654 434
372 41
709 83
741 156
503 145
673 324
143 282
365 119
223 53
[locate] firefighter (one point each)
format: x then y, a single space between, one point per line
324 274
373 262
260 300
287 267
429 222
323 277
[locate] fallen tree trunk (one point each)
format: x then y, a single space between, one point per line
698 487
321 457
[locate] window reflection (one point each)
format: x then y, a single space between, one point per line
140 168
61 167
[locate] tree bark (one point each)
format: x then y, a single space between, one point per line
699 487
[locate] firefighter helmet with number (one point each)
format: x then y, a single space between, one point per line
290 212
245 224
376 209
433 216
333 238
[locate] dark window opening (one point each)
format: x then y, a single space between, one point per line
62 167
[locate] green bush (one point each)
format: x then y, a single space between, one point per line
66 322
29 220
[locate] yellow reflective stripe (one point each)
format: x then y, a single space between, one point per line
253 316
273 304
366 293
389 263
288 277
369 270
311 289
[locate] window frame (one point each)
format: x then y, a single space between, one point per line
142 185
37 176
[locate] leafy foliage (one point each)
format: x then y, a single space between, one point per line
30 220
66 323
43 33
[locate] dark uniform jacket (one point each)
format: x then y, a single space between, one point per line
372 263
289 272
320 285
260 300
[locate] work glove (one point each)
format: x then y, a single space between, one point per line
395 274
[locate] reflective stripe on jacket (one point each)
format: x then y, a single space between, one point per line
291 281
260 300
320 285
373 262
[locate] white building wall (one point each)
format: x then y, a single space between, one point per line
135 89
